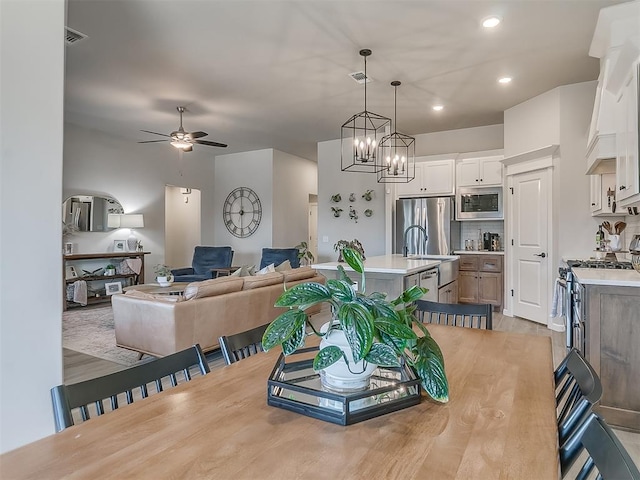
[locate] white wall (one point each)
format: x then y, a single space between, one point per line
490 137
577 228
182 222
246 169
136 175
532 124
294 179
31 115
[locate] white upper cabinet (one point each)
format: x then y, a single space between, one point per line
627 163
433 178
479 172
603 195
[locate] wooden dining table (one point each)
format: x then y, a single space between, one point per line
499 423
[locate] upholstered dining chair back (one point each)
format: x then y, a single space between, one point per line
606 454
242 345
90 395
279 255
578 387
455 314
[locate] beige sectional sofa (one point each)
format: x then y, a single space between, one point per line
159 325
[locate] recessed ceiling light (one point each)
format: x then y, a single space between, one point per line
437 108
504 80
491 22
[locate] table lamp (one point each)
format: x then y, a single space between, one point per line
131 221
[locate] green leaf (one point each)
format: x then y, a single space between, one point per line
341 290
396 343
282 328
327 356
394 328
430 368
413 293
295 341
382 355
342 275
357 324
353 259
306 294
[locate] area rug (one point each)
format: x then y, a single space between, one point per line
91 331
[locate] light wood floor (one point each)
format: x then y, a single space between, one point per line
79 366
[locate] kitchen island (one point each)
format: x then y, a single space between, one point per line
610 315
391 274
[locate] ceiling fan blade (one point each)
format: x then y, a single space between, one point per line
198 134
155 133
154 141
211 144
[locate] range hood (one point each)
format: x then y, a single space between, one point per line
601 146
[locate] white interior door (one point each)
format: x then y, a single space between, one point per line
530 217
182 225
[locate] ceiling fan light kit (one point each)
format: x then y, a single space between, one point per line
397 152
361 135
184 140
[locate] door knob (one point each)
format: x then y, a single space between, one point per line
543 255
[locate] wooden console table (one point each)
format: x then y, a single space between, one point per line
77 259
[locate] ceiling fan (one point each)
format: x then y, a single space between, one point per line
184 140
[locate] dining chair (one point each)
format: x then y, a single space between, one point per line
606 454
242 345
455 314
578 388
92 393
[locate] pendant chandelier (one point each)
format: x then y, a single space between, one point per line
361 135
396 159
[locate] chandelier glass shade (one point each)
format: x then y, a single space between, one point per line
361 135
396 162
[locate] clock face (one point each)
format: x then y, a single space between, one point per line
242 212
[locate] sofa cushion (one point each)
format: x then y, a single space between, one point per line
210 288
298 274
151 296
268 269
286 265
262 280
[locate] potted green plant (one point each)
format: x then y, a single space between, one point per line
304 254
354 244
110 270
163 275
377 331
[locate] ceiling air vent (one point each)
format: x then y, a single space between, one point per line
72 36
360 77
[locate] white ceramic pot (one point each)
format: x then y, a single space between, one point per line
165 281
614 243
341 377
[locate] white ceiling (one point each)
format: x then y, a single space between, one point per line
274 74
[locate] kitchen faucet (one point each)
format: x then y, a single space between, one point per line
405 250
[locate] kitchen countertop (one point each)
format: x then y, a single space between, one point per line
479 252
601 276
395 264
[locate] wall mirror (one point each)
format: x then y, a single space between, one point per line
89 213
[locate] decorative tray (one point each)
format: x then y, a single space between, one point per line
294 385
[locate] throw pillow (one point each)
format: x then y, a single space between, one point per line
264 280
210 288
268 269
286 265
244 271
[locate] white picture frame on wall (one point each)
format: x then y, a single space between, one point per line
111 288
119 245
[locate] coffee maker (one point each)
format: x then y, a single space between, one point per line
486 241
491 241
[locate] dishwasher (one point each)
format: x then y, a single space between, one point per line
427 279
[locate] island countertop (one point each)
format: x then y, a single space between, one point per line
605 276
395 264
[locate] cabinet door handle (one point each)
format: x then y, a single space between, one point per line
593 204
622 187
481 180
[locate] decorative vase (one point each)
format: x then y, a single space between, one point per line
165 281
342 376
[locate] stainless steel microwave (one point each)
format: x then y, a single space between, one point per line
479 203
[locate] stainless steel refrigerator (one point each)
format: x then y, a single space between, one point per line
436 216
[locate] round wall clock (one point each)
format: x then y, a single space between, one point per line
242 212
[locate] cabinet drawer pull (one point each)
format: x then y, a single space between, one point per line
622 187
